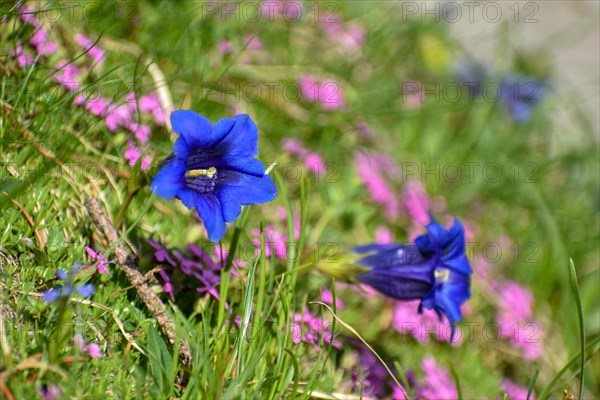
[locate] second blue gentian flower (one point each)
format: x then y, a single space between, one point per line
434 269
214 170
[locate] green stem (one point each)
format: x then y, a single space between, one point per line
58 336
123 210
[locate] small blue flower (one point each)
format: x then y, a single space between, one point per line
214 169
58 291
520 94
434 270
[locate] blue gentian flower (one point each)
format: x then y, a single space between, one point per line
519 95
58 291
214 169
434 270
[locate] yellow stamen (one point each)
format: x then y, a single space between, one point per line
443 274
202 172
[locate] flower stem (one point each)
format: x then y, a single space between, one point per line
123 210
57 338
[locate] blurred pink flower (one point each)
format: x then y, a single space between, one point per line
224 47
416 202
515 392
326 92
141 132
515 319
50 392
310 329
103 262
150 103
413 95
295 148
407 321
132 154
290 10
383 235
42 45
327 298
95 52
22 58
92 349
146 162
118 115
28 15
370 173
438 383
315 164
66 75
350 38
253 42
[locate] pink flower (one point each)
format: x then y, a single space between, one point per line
416 202
150 103
103 262
327 298
132 154
514 391
309 88
146 162
407 321
327 92
50 392
224 47
66 75
97 106
39 40
295 148
413 95
92 349
22 58
290 10
370 173
383 235
118 115
142 132
254 43
515 320
28 15
95 52
310 329
438 383
350 38
315 164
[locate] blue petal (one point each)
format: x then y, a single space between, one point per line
377 247
387 282
76 267
246 189
50 296
209 209
239 140
398 256
194 129
189 198
85 290
62 275
170 180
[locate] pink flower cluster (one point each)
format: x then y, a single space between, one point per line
102 261
196 264
351 37
290 10
276 243
438 384
327 92
312 160
514 391
91 349
406 320
515 318
96 53
312 330
372 170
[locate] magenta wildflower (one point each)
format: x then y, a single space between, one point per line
50 392
383 235
350 38
406 321
254 43
326 92
93 51
515 320
224 47
40 42
416 202
28 15
91 349
370 171
103 262
132 154
413 95
66 75
438 383
327 298
515 392
295 148
22 58
141 132
312 330
150 103
118 115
